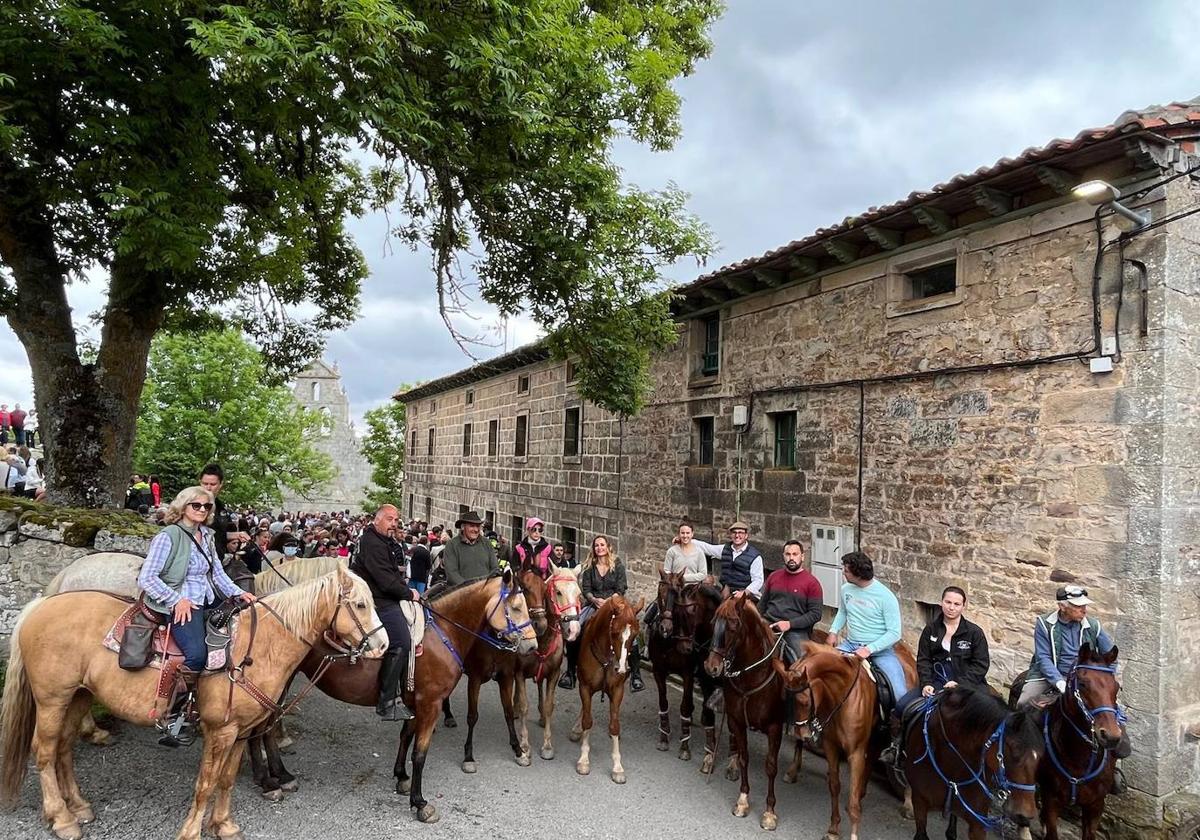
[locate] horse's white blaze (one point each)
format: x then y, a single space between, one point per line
621 661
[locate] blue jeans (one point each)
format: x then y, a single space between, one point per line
190 637
885 662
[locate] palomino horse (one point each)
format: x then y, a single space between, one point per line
678 647
743 648
53 674
965 751
604 651
836 704
1082 732
491 611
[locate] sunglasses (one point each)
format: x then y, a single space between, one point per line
537 528
200 505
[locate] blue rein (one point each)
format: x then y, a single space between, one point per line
1099 756
511 627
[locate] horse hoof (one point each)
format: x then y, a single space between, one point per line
273 795
685 755
618 776
85 815
468 767
732 774
829 835
582 769
290 787
71 831
662 746
706 766
427 814
548 753
575 736
906 812
451 723
769 822
100 738
741 810
285 742
404 786
790 778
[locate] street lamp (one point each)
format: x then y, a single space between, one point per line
1100 193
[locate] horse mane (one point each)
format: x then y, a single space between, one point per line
709 593
980 705
300 570
752 620
298 605
451 595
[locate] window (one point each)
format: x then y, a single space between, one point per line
316 392
523 384
493 438
428 509
571 432
704 441
925 280
517 525
710 353
466 440
463 510
570 371
521 440
785 438
433 406
429 451
413 449
470 397
932 281
489 518
570 541
411 500
326 421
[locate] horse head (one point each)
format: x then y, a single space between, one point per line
623 630
508 614
534 589
733 628
1019 754
566 598
670 587
819 674
355 624
1093 685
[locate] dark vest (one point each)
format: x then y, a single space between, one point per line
736 573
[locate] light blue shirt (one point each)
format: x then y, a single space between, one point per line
195 586
871 613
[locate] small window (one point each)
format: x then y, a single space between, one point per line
785 439
704 441
570 371
470 397
489 519
412 450
411 501
932 281
493 438
428 509
521 439
523 384
429 448
463 510
710 354
517 525
433 406
570 541
929 612
466 440
316 392
571 432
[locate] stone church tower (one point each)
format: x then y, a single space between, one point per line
319 388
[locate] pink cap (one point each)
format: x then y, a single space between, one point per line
531 521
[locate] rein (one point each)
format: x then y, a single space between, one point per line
815 725
555 630
727 655
493 641
1098 756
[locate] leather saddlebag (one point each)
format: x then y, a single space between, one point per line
137 642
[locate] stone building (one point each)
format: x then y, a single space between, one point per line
991 383
319 388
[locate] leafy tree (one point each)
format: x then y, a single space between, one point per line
205 156
207 399
384 448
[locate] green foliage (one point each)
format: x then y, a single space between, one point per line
207 399
384 448
208 154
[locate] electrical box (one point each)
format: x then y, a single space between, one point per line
829 543
741 415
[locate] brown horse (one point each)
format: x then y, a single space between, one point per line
965 750
836 704
743 648
1083 732
490 612
604 651
678 646
57 665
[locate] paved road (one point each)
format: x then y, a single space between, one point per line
343 758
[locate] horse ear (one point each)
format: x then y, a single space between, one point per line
1111 656
663 576
739 601
1085 653
507 577
553 569
640 605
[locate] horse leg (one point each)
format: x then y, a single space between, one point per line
859 773
686 709
400 769
506 703
708 720
1050 806
217 745
46 748
741 749
664 709
520 713
833 776
770 820
1091 820
221 822
542 689
92 732
282 739
614 731
425 721
450 722
258 769
793 772
921 815
974 830
584 725
277 772
546 697
68 784
473 686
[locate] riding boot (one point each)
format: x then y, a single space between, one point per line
393 668
567 680
635 668
891 753
178 726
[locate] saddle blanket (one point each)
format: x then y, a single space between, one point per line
416 624
218 640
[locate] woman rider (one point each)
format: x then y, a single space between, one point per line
952 651
601 576
180 579
683 556
534 551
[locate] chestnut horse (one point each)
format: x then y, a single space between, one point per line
743 648
678 646
967 750
1083 732
837 706
604 650
57 665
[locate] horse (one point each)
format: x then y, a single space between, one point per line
603 665
966 751
53 674
1083 732
837 706
490 611
742 643
678 647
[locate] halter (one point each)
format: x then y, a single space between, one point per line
1001 782
511 628
728 653
682 633
815 725
1098 755
563 615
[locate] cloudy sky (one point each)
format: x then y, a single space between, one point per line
808 112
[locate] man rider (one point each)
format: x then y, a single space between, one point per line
870 614
468 556
741 562
792 600
376 564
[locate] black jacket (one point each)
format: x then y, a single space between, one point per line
376 563
419 564
968 654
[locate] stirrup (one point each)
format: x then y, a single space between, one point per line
394 710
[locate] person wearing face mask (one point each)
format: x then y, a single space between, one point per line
792 601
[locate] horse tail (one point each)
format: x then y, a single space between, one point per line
18 715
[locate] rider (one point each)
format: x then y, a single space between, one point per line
534 551
870 614
741 562
952 651
468 556
602 576
178 580
792 600
376 563
685 555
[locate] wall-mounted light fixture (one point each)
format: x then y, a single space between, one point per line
1102 193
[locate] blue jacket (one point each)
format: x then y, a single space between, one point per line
1056 645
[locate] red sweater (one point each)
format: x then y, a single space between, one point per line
792 597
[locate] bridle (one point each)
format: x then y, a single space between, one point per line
563 616
505 640
351 652
729 652
607 663
814 724
1098 754
680 631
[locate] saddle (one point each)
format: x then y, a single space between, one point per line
883 694
415 616
165 653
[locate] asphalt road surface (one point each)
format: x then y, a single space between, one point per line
343 758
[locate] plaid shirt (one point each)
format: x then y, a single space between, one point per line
195 586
